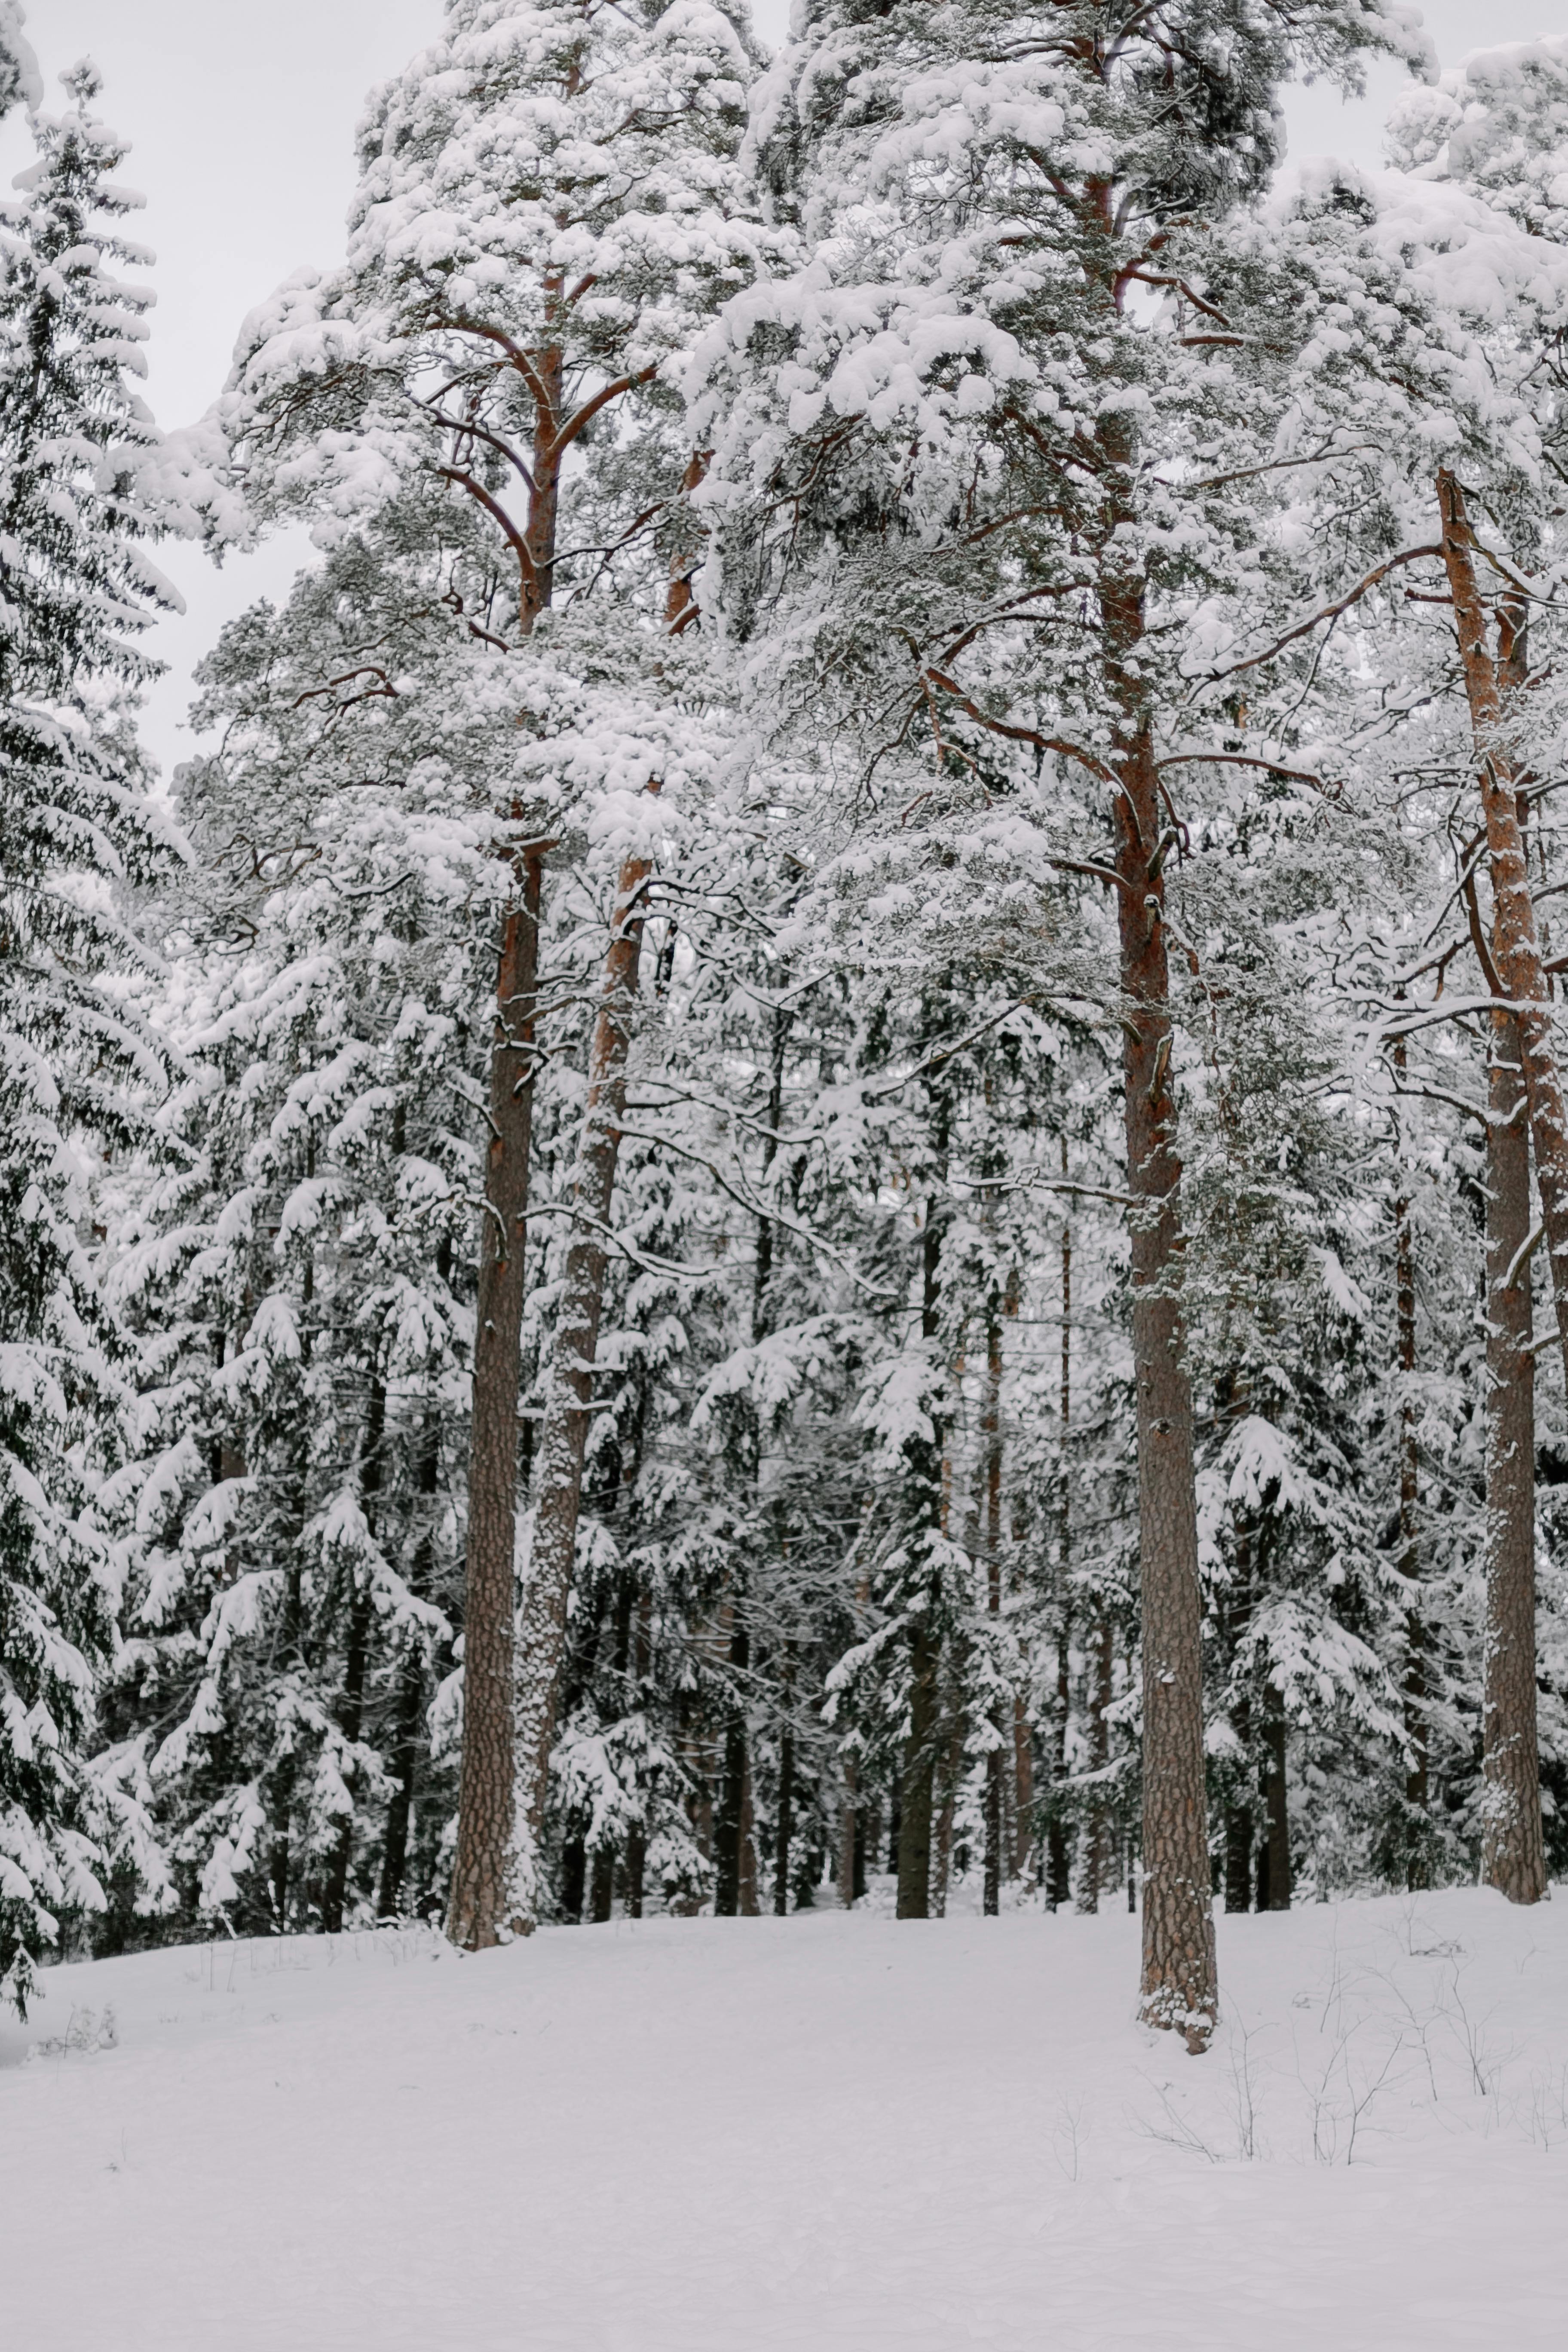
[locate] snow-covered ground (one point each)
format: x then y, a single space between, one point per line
830 2133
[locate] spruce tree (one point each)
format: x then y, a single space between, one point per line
76 833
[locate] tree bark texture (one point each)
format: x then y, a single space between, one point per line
1512 1853
1515 945
480 1908
1179 1987
569 1394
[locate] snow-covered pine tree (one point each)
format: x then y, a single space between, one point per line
549 206
1007 429
298 1277
75 829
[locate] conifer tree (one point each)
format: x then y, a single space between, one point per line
75 828
962 379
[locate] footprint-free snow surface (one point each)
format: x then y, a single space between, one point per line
831 2132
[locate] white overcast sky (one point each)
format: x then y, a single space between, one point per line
240 116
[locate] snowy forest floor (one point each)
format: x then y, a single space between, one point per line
836 2134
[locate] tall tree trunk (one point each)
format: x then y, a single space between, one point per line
990 1441
1515 947
1417 1733
569 1395
1059 1875
1512 1853
1179 1986
480 1906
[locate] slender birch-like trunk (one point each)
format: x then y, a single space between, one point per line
1179 1984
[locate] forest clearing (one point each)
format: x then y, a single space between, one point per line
846 2133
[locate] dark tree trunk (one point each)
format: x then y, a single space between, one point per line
848 1823
1180 1986
406 1749
574 1879
1237 1858
1512 1853
917 1777
729 1827
785 1822
1276 1895
1058 1867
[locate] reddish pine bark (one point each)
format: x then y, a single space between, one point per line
1515 947
1179 1984
1512 1853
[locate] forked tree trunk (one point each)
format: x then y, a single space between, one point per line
479 1905
569 1394
1179 1985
